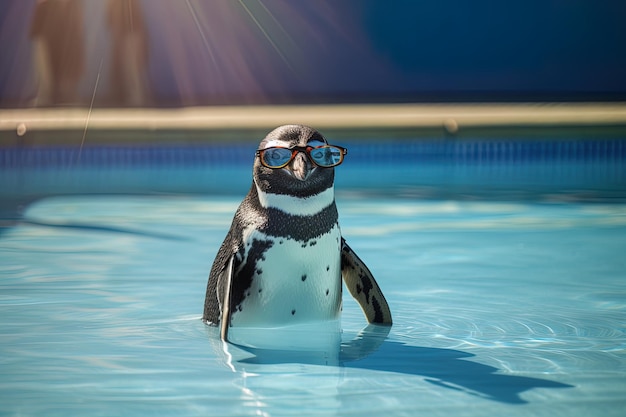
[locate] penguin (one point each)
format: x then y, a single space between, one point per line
284 257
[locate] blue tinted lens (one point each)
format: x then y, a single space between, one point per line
275 157
326 156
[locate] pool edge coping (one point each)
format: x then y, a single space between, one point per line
248 122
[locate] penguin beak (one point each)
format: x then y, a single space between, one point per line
300 167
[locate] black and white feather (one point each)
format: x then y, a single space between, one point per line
283 258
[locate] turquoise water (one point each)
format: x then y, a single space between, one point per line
505 273
500 308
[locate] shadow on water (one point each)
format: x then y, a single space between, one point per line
108 229
371 350
12 215
449 368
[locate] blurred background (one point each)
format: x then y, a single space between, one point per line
164 53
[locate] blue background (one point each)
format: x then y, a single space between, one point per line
278 51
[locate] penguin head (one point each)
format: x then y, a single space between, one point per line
300 177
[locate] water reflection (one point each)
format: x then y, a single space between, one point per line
372 350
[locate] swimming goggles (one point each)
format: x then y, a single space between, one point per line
324 156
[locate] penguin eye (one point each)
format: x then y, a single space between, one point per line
275 157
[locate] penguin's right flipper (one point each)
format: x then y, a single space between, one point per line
226 283
363 287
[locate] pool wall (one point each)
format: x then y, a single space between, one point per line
422 150
470 166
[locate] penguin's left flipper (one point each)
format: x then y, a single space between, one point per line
226 282
363 287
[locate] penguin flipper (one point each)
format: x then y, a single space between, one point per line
363 287
226 282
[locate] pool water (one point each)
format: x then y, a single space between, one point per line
504 304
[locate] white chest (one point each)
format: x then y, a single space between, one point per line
293 282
